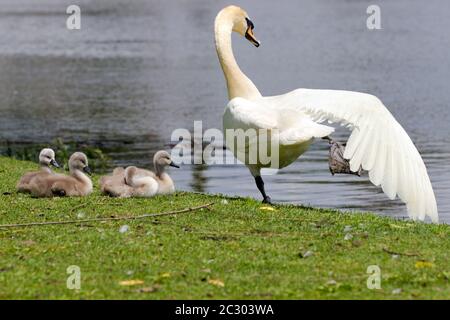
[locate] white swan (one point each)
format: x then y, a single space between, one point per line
378 143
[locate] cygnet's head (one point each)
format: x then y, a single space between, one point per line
79 161
47 158
162 159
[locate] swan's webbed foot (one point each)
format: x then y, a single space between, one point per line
267 200
336 161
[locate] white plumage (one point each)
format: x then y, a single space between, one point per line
378 142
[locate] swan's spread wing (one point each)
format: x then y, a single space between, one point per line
378 143
293 126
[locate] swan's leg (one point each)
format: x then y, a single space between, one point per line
260 184
336 161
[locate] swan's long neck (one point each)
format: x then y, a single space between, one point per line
238 84
159 169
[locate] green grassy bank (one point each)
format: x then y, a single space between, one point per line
237 248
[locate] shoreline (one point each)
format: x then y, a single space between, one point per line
236 249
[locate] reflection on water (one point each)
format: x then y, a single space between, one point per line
199 180
137 71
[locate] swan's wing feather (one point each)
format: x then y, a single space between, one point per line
241 113
293 126
303 129
378 143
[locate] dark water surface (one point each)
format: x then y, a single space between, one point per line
137 70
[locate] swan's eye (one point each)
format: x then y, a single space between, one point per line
250 24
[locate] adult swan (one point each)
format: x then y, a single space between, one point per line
377 143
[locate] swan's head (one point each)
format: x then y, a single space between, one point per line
79 161
47 158
240 22
163 159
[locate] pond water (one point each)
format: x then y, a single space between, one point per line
138 70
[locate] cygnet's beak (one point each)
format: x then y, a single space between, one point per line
249 35
87 170
172 164
54 163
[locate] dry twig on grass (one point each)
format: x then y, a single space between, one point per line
151 215
408 254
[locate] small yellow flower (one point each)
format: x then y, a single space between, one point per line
424 264
131 282
267 208
216 282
